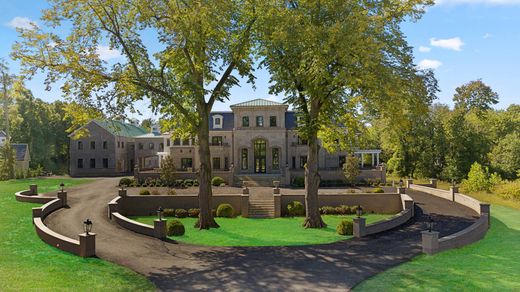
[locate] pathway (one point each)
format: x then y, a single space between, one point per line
174 267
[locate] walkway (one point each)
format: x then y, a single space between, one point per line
173 267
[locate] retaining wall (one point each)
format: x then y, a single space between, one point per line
389 223
28 196
54 239
133 225
473 233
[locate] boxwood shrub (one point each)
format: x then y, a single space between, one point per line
194 212
169 212
175 228
181 213
217 181
225 210
295 208
345 227
144 192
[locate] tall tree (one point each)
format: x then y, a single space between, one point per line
199 45
335 59
6 83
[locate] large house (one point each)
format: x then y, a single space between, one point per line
21 150
256 141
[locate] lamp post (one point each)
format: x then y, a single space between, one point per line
160 213
87 226
359 211
430 223
62 186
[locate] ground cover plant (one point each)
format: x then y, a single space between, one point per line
27 263
241 231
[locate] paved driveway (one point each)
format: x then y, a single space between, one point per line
335 267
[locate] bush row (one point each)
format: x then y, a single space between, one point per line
299 182
340 210
157 182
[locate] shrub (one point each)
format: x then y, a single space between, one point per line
299 181
175 228
194 212
225 210
188 182
509 191
378 190
181 213
343 210
168 170
169 213
155 193
327 210
125 181
345 227
172 192
213 212
195 183
479 179
144 192
295 208
217 181
178 182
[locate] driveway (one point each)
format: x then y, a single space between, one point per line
174 267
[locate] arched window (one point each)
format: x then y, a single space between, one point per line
244 159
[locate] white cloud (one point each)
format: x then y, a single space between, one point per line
429 64
22 23
486 2
450 44
105 53
487 35
424 49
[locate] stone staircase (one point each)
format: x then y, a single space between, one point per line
257 180
261 208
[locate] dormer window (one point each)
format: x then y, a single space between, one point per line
218 120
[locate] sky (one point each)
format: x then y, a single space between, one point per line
461 40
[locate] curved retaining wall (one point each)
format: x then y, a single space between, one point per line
430 240
133 225
54 239
28 196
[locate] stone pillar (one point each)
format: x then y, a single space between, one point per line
245 191
401 190
244 204
453 191
159 228
33 189
433 182
409 182
430 242
359 227
486 209
277 205
377 158
362 160
36 212
122 192
87 245
112 207
63 197
409 205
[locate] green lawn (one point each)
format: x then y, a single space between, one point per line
262 232
492 264
27 263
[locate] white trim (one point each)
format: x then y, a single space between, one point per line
215 117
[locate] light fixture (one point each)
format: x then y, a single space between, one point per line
359 211
87 226
430 223
62 187
160 213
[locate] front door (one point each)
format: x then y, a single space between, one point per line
260 153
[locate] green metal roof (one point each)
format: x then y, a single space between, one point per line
258 102
118 128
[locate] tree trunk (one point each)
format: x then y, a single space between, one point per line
312 177
206 220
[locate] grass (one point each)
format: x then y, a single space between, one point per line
262 232
27 263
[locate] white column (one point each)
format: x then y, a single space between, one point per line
362 160
377 158
373 159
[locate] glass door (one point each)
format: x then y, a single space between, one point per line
260 153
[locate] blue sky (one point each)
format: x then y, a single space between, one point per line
462 40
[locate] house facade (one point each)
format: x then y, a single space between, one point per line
22 155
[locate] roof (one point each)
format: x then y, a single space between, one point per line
118 128
228 119
258 102
290 120
21 150
2 134
151 135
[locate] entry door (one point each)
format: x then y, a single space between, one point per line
260 154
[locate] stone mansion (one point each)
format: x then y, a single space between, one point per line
256 141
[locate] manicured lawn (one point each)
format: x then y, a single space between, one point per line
27 263
262 232
492 264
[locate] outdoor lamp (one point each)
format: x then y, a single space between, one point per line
429 224
160 212
87 226
359 211
62 186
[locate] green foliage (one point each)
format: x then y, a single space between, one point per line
225 210
378 190
144 192
479 179
343 210
168 212
155 193
299 182
505 156
295 208
475 96
181 213
188 182
125 181
351 169
194 212
7 162
175 228
345 227
328 210
508 191
172 192
217 181
168 170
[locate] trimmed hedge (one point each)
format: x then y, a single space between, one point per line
225 210
175 228
144 192
194 212
299 181
169 212
378 190
156 193
125 181
295 208
217 181
345 227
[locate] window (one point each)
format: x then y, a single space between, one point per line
186 142
122 144
186 163
118 144
294 162
105 145
216 162
80 163
342 160
245 121
216 140
259 121
272 121
80 145
276 158
92 163
140 145
302 141
168 142
150 146
92 145
161 146
217 122
303 161
177 141
105 162
243 157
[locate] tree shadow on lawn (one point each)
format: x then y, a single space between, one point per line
335 266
